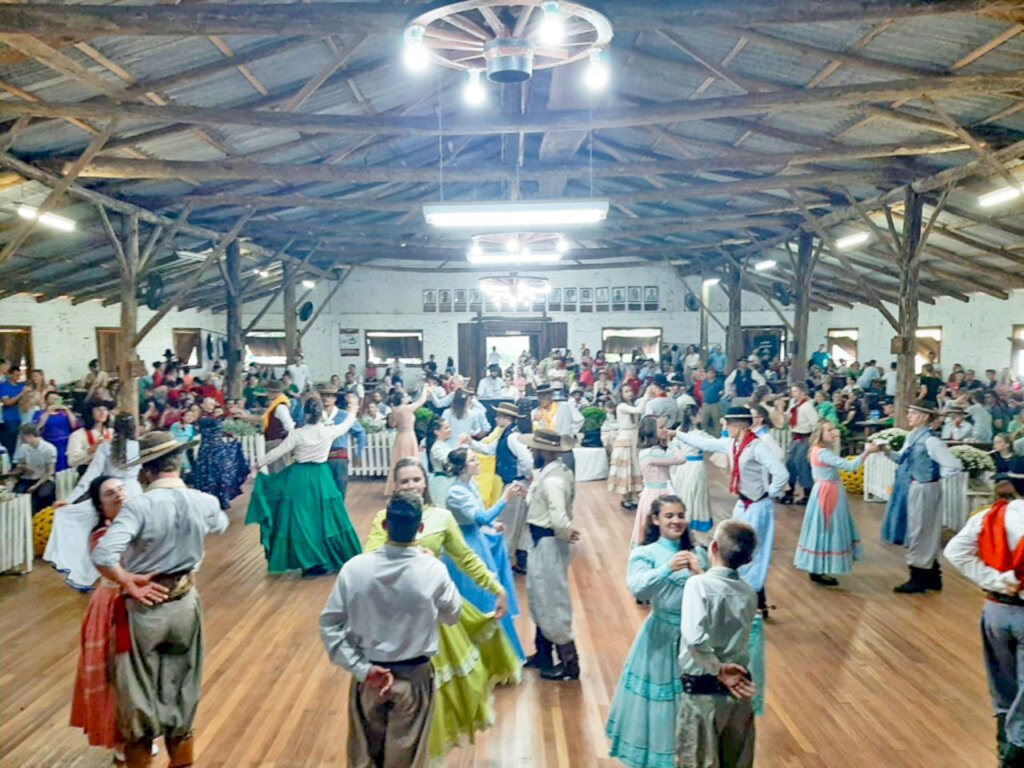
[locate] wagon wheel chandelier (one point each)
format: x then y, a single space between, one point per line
515 289
517 248
508 41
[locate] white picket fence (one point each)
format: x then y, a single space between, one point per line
16 533
376 458
254 447
65 480
880 474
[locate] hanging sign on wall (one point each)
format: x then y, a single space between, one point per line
348 342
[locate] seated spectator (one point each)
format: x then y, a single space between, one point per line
957 428
35 463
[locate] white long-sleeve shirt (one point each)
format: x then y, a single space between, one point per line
718 610
103 464
78 445
358 626
962 550
524 456
761 470
949 464
490 388
284 414
730 381
310 444
963 431
806 418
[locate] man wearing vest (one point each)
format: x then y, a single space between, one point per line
277 421
547 582
742 382
803 418
988 551
513 463
914 509
658 403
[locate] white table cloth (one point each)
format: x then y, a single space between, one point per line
591 464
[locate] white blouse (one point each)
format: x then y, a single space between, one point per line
310 444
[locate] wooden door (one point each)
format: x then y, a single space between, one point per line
471 351
553 336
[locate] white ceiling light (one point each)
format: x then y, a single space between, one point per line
597 70
537 213
562 245
191 256
525 257
552 27
474 93
765 265
475 250
414 52
512 245
262 272
711 281
308 284
1004 195
851 241
51 220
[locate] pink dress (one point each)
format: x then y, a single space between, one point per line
92 708
655 464
406 445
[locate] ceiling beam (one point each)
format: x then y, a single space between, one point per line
565 120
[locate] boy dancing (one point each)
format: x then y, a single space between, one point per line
391 704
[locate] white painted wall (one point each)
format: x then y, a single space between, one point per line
64 335
975 334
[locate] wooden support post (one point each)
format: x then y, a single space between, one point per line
233 279
910 267
734 331
291 321
705 312
128 253
799 351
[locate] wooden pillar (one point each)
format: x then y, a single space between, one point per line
910 268
291 320
128 397
798 348
236 342
734 331
705 292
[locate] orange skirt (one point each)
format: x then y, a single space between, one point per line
93 705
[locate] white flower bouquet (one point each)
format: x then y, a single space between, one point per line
894 436
975 460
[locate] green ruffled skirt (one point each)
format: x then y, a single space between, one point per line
473 657
302 518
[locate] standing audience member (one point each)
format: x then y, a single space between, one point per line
299 373
391 703
803 417
11 390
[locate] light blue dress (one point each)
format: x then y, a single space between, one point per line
829 542
474 520
642 718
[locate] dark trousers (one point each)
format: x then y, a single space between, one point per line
339 471
42 497
9 437
799 465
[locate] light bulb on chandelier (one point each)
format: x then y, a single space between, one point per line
552 28
414 53
474 93
597 75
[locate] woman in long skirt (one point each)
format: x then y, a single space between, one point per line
624 471
301 513
93 705
474 655
641 721
402 418
440 444
829 542
690 483
485 537
220 467
655 463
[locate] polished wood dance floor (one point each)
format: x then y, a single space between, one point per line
857 677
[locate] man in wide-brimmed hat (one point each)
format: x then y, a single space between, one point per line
158 627
914 514
549 515
956 427
757 475
513 463
561 416
277 420
658 404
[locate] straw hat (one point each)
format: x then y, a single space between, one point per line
153 445
507 409
544 389
739 414
547 440
924 406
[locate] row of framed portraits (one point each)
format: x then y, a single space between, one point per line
633 298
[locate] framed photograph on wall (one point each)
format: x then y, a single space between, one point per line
586 299
429 300
461 302
348 342
569 300
650 297
444 300
555 299
600 295
634 298
619 298
475 299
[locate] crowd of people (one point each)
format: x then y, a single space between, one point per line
481 489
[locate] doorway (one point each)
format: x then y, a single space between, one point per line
767 342
539 336
509 346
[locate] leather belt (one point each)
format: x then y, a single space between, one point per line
747 502
413 662
704 685
999 597
538 533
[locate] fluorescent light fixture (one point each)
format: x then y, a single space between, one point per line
262 272
308 284
1004 195
414 54
474 93
765 265
597 75
524 257
512 245
850 241
711 281
562 245
191 256
532 213
552 28
51 220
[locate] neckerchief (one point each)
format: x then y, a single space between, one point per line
737 451
993 548
281 399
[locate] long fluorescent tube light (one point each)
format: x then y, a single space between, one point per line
1004 195
711 281
308 284
857 238
191 256
539 257
765 265
51 220
532 213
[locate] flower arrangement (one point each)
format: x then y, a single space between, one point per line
240 428
370 425
593 418
423 418
894 436
975 460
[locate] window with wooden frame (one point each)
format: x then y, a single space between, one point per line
622 344
108 345
188 346
842 344
928 348
265 348
384 346
16 346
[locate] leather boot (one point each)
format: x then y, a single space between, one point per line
762 604
917 584
180 751
935 577
520 565
569 669
138 754
542 659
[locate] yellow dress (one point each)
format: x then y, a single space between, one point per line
473 656
487 481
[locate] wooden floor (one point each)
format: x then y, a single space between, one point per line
857 676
